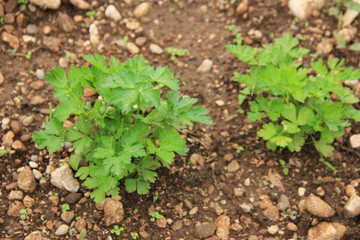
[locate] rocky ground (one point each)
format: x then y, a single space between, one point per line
214 192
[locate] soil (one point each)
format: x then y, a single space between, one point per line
200 27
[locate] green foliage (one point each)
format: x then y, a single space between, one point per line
23 214
176 52
341 43
65 207
239 149
90 14
4 151
298 106
20 1
337 5
134 235
128 133
70 55
28 55
1 20
117 230
155 215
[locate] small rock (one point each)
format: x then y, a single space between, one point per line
13 41
37 235
242 7
26 180
239 192
156 49
89 92
10 6
67 216
2 11
32 29
33 164
177 225
205 66
51 4
205 230
29 39
5 123
233 166
62 230
326 230
80 224
9 18
220 103
193 211
15 126
14 209
27 121
143 233
8 139
197 160
81 4
161 223
142 9
301 191
272 213
52 43
132 48
65 22
303 9
317 207
222 226
18 145
112 13
114 211
28 201
1 79
63 178
36 85
291 227
73 198
273 229
246 208
94 34
350 190
16 195
247 182
47 30
352 207
20 19
54 200
324 47
37 174
140 41
355 140
37 100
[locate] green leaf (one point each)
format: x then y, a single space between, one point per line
164 76
97 61
268 131
83 173
142 187
352 5
75 160
339 39
83 124
57 77
72 135
281 141
130 185
355 47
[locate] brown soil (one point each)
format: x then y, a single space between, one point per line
200 27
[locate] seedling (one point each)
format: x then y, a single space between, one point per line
4 151
171 10
1 20
155 216
175 52
156 196
239 149
70 55
134 235
78 218
85 25
231 28
135 211
20 1
130 132
341 44
23 214
90 14
65 207
28 55
125 39
335 10
297 106
117 230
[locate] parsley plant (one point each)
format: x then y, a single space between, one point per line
298 105
128 133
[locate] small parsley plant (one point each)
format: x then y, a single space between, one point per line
129 132
298 105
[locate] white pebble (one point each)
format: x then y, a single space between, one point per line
205 66
156 49
33 164
301 191
113 13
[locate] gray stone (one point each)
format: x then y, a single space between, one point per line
63 178
205 230
62 230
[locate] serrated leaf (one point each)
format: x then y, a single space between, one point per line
75 160
83 124
82 173
130 185
83 145
164 76
268 131
72 135
57 77
97 61
289 112
142 187
290 127
281 141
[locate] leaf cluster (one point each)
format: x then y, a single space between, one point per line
129 132
298 105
